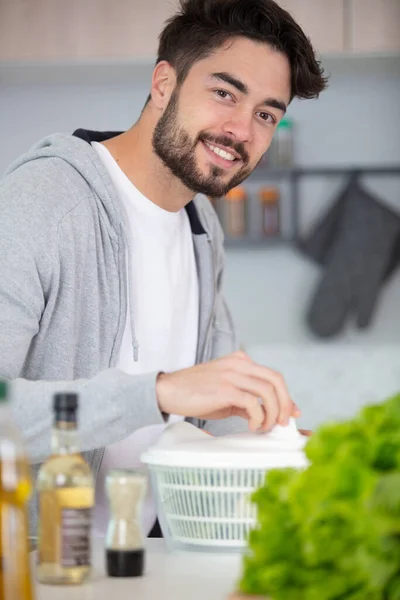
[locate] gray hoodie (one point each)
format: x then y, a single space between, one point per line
63 297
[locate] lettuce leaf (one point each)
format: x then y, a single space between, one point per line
332 531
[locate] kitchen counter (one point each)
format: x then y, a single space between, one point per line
168 575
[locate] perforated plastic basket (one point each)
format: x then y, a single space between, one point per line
203 484
206 507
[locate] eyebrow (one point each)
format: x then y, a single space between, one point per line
242 87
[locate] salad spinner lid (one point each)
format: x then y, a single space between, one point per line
184 445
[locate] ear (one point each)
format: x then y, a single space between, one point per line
162 84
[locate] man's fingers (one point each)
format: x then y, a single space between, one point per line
251 405
296 413
240 412
306 432
286 405
263 390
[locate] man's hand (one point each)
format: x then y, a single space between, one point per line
226 387
306 432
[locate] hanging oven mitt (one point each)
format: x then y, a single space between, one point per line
317 245
356 262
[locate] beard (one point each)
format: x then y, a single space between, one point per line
174 146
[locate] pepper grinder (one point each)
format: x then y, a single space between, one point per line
125 552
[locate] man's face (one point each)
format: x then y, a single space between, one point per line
221 120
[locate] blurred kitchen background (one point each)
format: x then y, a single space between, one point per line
313 237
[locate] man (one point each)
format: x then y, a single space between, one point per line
111 268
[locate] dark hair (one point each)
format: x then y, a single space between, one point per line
202 26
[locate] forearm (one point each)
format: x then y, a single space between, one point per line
112 405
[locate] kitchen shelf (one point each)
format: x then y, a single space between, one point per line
292 176
254 243
286 172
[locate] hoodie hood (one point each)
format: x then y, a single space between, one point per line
79 154
77 151
83 158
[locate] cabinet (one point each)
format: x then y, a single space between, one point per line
322 20
375 25
110 30
70 30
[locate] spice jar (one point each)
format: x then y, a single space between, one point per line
284 143
125 540
235 212
269 198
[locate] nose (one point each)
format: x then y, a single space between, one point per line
239 125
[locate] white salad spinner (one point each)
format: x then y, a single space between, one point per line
203 483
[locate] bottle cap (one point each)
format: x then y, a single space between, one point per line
236 194
285 123
65 406
269 194
3 390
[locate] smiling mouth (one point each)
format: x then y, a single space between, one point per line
223 157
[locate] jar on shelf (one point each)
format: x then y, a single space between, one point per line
269 199
234 213
283 143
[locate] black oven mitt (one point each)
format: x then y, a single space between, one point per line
355 242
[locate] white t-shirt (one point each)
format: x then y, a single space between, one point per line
164 298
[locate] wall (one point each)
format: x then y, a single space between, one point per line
356 121
39 100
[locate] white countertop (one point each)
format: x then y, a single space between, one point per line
168 575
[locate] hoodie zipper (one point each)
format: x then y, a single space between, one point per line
214 301
100 462
129 307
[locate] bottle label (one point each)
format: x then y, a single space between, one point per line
75 537
64 526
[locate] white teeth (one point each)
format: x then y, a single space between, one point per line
220 152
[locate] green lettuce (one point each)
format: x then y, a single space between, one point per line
332 531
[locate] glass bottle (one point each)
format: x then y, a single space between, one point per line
269 198
284 143
125 552
235 212
66 496
15 482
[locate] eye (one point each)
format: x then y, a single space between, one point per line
223 94
267 117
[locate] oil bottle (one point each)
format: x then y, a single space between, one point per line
66 495
15 489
